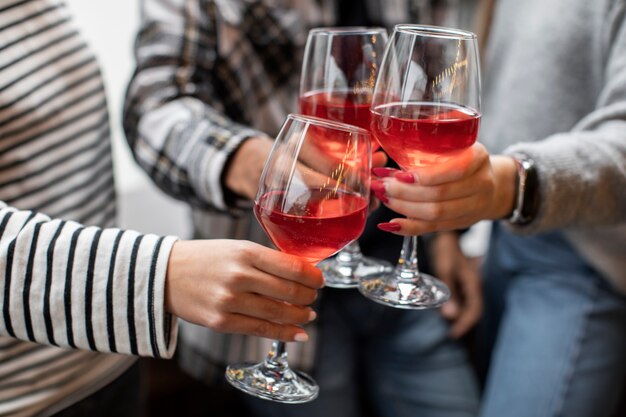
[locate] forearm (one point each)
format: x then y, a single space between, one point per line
505 186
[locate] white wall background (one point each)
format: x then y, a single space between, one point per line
110 27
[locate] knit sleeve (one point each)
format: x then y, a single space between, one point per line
582 173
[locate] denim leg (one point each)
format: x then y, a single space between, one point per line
561 348
334 368
379 361
415 369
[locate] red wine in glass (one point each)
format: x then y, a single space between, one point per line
424 133
340 105
310 204
425 111
339 72
332 221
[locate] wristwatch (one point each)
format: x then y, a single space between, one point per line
527 198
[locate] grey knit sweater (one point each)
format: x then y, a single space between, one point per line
555 89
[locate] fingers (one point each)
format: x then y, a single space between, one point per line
288 267
268 285
461 165
462 275
453 214
379 159
466 320
238 323
443 211
471 292
413 227
254 305
401 190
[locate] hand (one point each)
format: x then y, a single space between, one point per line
246 166
462 276
379 159
241 287
451 195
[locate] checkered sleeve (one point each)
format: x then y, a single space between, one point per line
174 111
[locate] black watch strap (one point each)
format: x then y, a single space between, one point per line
527 199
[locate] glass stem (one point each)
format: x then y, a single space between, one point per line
407 269
276 359
350 255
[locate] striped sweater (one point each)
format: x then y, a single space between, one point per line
63 284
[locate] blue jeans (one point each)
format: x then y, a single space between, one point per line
379 361
561 345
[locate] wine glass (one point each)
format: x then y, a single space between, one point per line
425 110
311 204
337 81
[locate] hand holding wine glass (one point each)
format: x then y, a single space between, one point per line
452 195
425 113
311 204
239 286
337 82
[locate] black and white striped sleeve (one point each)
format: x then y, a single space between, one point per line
83 287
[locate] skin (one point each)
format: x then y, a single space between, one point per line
248 161
445 197
241 287
462 276
452 195
247 165
451 265
238 286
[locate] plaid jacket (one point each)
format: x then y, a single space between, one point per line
211 73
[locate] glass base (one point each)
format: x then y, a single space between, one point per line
339 274
280 384
417 294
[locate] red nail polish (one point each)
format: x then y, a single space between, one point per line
405 177
389 227
383 172
377 185
381 196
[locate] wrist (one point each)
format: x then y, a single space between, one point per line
176 263
527 191
243 169
505 174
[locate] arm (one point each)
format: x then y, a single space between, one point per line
174 109
581 172
110 290
83 287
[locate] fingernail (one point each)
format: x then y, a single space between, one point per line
381 196
378 185
383 172
301 337
312 315
405 177
389 227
